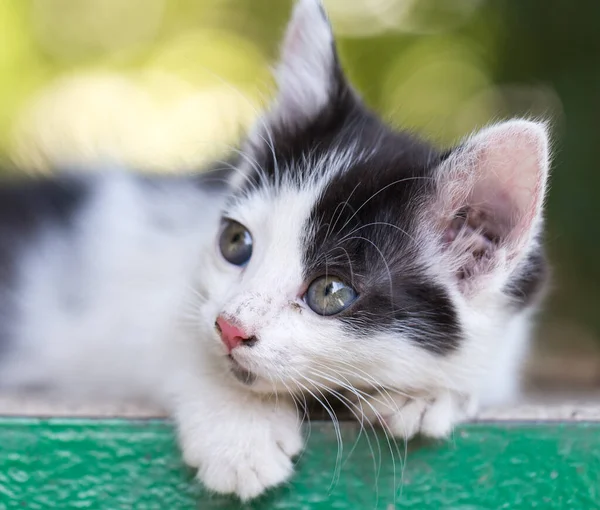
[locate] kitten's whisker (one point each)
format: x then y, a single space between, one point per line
197 293
389 435
360 419
275 393
390 438
349 386
346 401
389 402
371 381
334 419
290 392
338 466
304 405
362 395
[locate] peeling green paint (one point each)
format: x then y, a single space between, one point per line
134 464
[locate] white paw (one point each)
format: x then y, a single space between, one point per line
406 417
249 455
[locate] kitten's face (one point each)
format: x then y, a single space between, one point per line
352 254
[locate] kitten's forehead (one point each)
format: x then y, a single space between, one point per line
351 171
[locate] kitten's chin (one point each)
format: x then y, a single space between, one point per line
258 383
242 374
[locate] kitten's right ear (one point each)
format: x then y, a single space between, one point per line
309 77
490 193
311 86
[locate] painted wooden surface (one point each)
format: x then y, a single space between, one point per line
134 464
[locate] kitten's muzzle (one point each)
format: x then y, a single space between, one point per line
232 335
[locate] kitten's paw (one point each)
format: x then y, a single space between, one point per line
248 456
406 417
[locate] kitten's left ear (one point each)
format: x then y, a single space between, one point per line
490 193
309 77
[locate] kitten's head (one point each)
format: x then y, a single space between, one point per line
352 253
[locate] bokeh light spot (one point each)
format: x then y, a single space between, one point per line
427 87
75 29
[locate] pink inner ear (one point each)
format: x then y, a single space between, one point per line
471 235
509 168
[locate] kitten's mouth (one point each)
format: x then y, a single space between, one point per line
241 374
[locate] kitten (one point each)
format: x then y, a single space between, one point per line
344 256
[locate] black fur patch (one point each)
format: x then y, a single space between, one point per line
25 206
530 281
364 226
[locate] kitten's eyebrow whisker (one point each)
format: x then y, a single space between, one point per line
343 204
386 266
349 264
380 191
376 223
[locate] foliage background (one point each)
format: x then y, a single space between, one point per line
167 84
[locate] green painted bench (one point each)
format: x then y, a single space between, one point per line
525 458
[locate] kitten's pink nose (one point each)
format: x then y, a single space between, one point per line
232 335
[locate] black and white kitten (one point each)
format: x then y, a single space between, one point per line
348 257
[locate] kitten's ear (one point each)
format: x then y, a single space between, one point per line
490 193
308 75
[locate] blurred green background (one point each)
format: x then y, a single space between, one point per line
169 84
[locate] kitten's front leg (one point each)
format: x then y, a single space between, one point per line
240 443
433 416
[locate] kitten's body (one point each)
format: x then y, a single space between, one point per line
96 278
116 282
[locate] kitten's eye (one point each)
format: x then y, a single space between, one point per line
328 295
235 243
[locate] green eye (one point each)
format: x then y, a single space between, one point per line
235 243
328 295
